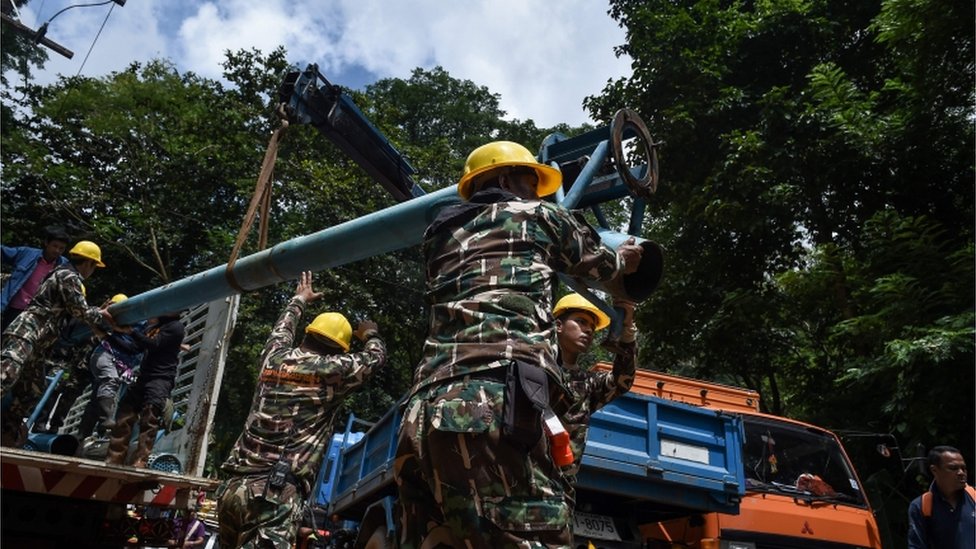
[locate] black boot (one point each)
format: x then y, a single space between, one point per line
100 411
106 413
88 419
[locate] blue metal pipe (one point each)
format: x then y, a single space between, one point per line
387 230
52 443
394 228
583 180
637 216
638 285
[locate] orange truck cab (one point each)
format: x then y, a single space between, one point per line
801 489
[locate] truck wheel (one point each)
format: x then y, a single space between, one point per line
378 539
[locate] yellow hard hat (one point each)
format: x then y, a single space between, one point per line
333 326
88 250
499 154
117 298
576 302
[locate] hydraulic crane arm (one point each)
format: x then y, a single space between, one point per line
308 98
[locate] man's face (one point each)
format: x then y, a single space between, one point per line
575 331
522 182
53 249
950 473
86 268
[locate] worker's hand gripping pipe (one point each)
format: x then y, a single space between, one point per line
636 286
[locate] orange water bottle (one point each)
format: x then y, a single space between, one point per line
562 454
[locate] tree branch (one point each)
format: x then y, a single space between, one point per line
138 261
155 250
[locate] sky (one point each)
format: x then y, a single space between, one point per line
541 56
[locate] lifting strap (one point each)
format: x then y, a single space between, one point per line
927 500
260 199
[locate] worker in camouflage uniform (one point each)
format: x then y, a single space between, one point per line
29 338
577 321
275 461
473 468
76 353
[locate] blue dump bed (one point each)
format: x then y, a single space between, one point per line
662 457
644 448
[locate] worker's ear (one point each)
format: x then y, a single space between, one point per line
559 326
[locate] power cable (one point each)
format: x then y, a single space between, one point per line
62 10
40 10
70 87
97 35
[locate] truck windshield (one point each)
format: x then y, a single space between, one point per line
786 458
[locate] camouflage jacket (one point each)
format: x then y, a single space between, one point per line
72 348
296 400
491 265
59 298
588 391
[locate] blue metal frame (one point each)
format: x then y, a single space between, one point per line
52 384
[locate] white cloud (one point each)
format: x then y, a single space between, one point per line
542 57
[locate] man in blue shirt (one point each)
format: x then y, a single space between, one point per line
943 517
30 267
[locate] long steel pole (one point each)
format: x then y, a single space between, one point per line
394 228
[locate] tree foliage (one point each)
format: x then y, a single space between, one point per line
816 204
18 55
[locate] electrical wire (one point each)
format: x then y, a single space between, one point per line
62 10
97 35
70 88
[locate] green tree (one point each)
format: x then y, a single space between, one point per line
794 132
135 161
18 54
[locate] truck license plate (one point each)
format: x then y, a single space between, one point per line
594 526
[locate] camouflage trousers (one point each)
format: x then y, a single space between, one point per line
250 518
24 384
463 483
16 352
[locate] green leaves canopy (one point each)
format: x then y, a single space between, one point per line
816 204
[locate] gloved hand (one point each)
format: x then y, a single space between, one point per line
631 253
366 329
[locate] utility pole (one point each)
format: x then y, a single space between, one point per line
33 34
38 36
